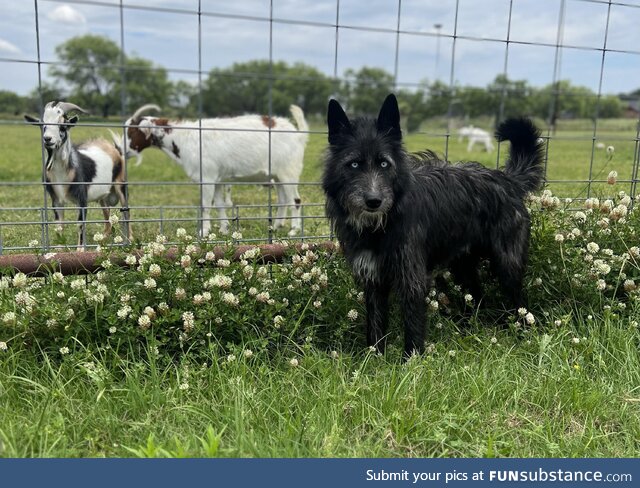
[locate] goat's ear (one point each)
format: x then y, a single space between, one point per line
30 119
389 118
337 121
73 120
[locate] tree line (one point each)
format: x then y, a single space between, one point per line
94 73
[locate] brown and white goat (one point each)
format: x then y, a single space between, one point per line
249 147
83 173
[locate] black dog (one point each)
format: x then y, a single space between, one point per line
399 217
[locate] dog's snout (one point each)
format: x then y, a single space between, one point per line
373 201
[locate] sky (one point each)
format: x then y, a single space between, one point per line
304 30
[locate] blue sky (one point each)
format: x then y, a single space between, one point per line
170 38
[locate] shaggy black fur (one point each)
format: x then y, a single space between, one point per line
399 217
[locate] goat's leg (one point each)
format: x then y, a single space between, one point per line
106 213
82 226
281 212
293 200
227 196
121 190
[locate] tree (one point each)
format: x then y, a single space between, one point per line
91 67
12 103
40 96
244 88
364 90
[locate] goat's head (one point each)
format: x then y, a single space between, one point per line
56 122
139 132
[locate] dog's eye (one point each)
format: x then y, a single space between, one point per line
384 164
355 164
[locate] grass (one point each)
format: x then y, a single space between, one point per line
163 207
240 382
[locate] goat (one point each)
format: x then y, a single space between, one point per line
83 173
476 135
232 148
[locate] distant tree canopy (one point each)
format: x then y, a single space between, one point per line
90 74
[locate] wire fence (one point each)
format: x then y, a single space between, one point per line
160 205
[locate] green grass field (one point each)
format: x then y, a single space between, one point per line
569 159
78 377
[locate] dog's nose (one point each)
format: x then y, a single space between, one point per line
373 202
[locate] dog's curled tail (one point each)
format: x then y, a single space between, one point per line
298 116
526 155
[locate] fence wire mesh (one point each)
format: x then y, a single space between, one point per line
414 41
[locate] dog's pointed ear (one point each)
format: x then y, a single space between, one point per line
30 119
337 121
389 117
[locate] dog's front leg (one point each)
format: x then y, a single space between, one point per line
377 303
412 300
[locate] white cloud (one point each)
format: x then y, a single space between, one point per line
7 47
66 14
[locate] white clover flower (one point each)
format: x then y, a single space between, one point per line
247 353
118 240
236 235
113 219
64 350
559 238
334 354
262 272
558 323
601 267
130 260
185 261
58 228
530 319
188 321
9 318
593 247
606 206
198 299
251 253
629 285
223 263
150 283
210 256
3 346
575 232
220 281
537 281
247 272
618 212
183 386
601 285
306 277
452 353
231 358
98 237
317 304
181 232
230 299
20 280
34 243
575 340
352 315
522 311
113 330
155 270
149 312
433 305
625 201
603 223
294 362
253 291
263 296
24 299
144 321
634 251
494 340
468 298
163 307
580 217
611 150
190 250
591 203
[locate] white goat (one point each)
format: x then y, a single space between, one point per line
476 135
232 148
88 172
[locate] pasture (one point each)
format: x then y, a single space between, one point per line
167 358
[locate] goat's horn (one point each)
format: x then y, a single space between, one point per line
68 107
135 118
